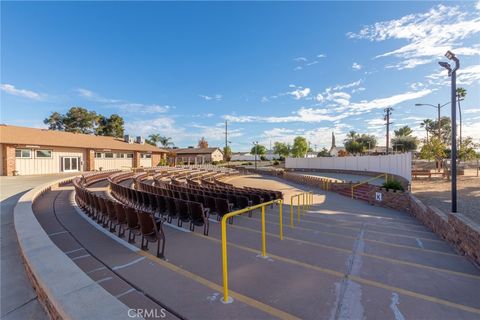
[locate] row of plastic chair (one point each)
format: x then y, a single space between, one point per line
112 214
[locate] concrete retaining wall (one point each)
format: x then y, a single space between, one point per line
62 287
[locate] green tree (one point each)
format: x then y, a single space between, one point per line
323 153
433 150
403 131
467 150
166 142
55 121
367 141
445 128
300 147
427 123
405 143
259 150
80 120
112 126
282 149
153 139
227 153
355 143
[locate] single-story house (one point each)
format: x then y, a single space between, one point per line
26 151
335 150
198 155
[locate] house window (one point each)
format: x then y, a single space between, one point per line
130 155
120 155
23 153
146 156
108 155
43 153
98 155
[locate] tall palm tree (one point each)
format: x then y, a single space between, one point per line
427 123
461 93
166 141
352 135
403 131
154 138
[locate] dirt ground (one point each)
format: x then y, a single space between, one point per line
436 192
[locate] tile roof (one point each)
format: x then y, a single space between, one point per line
195 150
43 137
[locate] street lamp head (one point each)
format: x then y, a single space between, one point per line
450 55
418 104
447 66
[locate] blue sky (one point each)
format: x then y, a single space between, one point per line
273 70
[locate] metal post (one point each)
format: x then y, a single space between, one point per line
298 208
224 261
291 211
454 141
438 125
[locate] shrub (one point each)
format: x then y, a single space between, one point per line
214 163
393 184
276 163
263 158
249 163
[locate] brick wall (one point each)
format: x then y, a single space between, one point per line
8 161
136 159
156 157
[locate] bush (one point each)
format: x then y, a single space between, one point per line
263 158
276 163
249 163
393 184
214 163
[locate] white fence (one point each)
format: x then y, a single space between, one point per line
398 164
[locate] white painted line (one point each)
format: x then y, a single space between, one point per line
96 269
104 279
72 251
171 225
125 293
100 228
213 220
55 233
81 257
128 264
394 306
420 243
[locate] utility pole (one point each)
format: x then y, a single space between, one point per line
388 113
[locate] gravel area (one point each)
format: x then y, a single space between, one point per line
436 192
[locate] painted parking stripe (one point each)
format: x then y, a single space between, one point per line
104 279
97 269
75 250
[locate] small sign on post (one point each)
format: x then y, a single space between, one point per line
378 196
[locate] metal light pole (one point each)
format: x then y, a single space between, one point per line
453 74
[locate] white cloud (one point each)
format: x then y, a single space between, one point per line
345 86
300 59
429 35
90 95
312 63
143 108
297 68
216 97
466 76
24 93
342 109
471 111
321 55
319 97
300 93
356 66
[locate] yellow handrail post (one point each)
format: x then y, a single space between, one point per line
291 212
264 244
298 208
224 261
281 220
303 205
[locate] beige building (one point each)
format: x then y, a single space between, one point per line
26 151
198 155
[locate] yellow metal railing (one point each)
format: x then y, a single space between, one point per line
368 180
264 244
307 201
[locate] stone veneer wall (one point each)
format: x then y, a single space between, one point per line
460 231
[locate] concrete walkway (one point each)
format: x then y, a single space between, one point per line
18 300
344 260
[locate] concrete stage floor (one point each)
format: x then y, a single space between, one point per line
345 259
